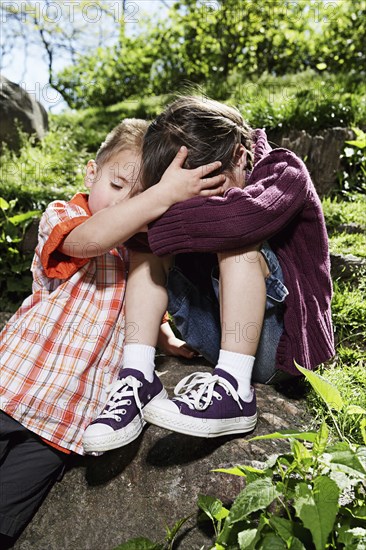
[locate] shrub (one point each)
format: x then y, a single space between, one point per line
29 181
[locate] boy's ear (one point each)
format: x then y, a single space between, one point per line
241 156
91 173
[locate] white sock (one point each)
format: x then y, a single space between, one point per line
240 366
141 358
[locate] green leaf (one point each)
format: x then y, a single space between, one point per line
323 388
210 505
359 512
355 409
360 144
272 542
287 434
235 471
246 539
363 429
172 533
256 496
345 459
321 440
285 529
4 205
20 218
353 538
301 453
249 472
317 508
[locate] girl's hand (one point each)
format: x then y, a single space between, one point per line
179 184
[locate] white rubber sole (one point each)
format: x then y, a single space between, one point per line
118 438
155 413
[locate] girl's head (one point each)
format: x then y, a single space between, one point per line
115 172
209 129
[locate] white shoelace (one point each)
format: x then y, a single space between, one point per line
120 393
198 389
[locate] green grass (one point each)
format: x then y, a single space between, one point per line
347 370
346 243
339 211
306 101
90 126
41 172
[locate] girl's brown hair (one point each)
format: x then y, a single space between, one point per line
209 129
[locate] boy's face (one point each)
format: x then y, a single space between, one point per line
114 180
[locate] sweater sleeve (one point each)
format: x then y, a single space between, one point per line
275 193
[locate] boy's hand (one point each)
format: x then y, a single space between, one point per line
178 348
169 344
179 184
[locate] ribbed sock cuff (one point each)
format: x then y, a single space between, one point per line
140 357
240 366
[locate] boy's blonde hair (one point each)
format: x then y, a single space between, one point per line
129 134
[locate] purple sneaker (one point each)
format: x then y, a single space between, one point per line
205 405
122 419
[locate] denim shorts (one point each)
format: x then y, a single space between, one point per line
194 305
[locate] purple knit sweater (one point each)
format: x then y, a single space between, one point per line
279 204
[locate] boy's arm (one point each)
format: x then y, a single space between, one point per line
112 226
277 190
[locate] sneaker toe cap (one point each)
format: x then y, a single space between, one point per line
96 430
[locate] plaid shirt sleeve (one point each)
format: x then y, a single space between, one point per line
59 219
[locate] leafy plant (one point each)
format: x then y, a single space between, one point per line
312 497
15 276
353 176
142 543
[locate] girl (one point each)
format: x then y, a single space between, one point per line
271 290
64 345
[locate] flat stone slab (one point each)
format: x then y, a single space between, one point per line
153 482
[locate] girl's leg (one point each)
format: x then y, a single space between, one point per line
121 420
242 299
222 403
146 298
242 308
146 303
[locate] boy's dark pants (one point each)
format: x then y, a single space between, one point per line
28 469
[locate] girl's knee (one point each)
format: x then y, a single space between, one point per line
249 259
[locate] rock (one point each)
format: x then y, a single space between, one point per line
137 490
4 318
321 153
351 228
18 107
347 266
30 239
